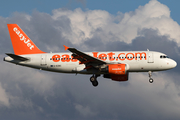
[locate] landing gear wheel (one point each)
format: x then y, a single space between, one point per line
94 81
151 80
150 75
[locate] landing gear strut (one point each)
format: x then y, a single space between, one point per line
93 80
150 77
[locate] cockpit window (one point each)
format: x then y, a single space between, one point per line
164 56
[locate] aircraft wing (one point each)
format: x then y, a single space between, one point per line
83 57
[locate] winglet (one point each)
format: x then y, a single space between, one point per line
66 47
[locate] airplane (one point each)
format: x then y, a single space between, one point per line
114 65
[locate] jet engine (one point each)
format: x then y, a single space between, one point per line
116 72
115 69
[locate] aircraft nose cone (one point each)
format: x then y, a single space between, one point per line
174 64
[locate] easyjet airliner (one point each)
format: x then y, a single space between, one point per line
115 65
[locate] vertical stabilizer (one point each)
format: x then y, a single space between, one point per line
22 44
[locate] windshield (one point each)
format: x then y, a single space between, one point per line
164 56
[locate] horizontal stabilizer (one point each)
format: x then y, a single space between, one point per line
16 57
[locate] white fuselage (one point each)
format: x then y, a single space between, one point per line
137 61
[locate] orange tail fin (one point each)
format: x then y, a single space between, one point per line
22 44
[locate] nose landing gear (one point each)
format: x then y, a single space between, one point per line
93 80
150 75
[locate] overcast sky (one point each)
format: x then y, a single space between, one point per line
91 25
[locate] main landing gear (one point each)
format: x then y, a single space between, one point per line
150 75
93 80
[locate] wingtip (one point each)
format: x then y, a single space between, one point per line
66 47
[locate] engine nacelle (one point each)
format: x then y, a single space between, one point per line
116 72
115 69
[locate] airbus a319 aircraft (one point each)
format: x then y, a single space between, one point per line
115 65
